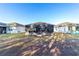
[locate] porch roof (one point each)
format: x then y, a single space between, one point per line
3 24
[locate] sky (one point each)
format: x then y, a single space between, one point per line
26 13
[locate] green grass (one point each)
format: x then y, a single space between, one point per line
22 35
13 35
75 35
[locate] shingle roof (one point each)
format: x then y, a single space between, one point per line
3 24
15 24
65 24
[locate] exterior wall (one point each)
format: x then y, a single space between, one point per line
16 29
76 30
64 29
20 29
11 30
40 29
56 29
61 29
3 28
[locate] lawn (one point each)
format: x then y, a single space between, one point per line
54 36
75 35
13 35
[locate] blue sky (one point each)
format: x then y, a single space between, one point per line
26 13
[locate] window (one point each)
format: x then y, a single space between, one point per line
10 29
77 28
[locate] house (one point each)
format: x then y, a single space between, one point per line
67 27
3 28
39 28
15 28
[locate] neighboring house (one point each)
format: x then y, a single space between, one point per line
67 27
3 28
15 28
39 28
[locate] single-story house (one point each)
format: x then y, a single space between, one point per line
67 27
39 28
15 28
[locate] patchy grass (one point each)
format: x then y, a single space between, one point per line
12 36
75 35
55 35
30 44
60 36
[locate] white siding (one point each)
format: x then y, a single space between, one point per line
18 29
61 29
74 28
